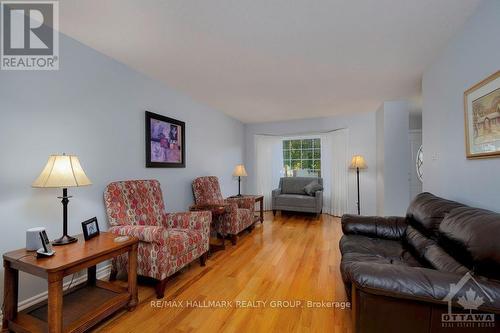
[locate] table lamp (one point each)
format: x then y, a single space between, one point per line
239 171
62 171
358 162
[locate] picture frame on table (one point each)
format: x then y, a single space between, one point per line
90 228
165 142
482 118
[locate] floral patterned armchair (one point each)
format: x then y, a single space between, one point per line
167 241
239 211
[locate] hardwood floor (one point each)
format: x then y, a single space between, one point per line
288 258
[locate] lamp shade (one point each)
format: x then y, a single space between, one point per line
239 171
358 161
62 171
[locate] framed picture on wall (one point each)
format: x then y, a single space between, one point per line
482 118
165 142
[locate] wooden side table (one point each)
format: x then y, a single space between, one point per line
80 308
260 200
216 210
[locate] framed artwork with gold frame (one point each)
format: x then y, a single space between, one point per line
482 118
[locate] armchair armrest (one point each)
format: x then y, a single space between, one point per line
392 227
200 207
231 207
274 195
145 233
422 284
197 220
242 202
319 200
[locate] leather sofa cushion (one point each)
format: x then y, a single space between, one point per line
472 235
295 200
349 260
362 248
430 254
442 261
416 242
295 185
391 227
363 244
427 211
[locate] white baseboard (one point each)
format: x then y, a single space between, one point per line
102 273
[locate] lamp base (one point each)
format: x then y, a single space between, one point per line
64 240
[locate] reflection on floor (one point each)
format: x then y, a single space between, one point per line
266 283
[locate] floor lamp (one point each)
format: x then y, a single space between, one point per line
358 162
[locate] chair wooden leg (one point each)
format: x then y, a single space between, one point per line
234 239
113 274
203 259
274 212
160 288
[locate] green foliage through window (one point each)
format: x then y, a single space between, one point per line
302 157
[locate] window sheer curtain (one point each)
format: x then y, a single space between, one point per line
335 171
269 165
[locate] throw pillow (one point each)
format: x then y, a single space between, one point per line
312 188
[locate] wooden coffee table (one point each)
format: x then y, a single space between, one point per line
83 306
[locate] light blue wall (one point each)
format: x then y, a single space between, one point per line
380 148
472 55
393 158
362 140
94 107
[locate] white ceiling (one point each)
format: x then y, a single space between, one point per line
267 60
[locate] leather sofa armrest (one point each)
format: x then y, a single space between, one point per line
392 227
423 284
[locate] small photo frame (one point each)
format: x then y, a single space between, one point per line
90 228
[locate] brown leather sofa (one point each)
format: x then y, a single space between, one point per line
426 272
